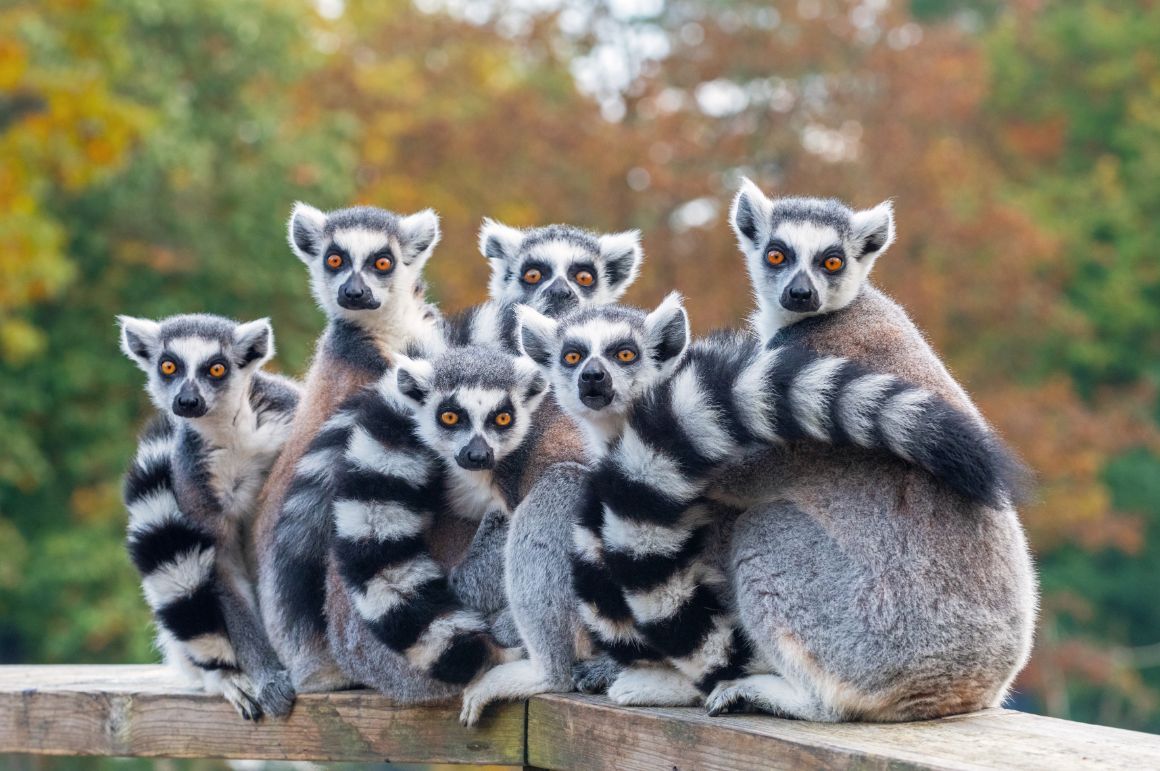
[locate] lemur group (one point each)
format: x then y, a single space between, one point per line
805 516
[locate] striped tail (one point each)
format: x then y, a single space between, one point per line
175 556
388 491
302 531
651 518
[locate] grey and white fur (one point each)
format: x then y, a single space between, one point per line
365 268
682 415
191 493
874 590
463 434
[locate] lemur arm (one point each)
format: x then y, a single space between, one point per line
388 489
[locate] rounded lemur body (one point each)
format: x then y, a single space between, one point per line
873 590
365 267
192 494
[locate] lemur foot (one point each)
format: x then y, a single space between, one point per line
653 687
594 675
514 680
239 691
756 693
276 694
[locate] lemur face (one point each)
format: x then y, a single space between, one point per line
197 363
362 260
806 256
473 405
557 268
600 360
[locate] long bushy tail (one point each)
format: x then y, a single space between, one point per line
388 490
175 556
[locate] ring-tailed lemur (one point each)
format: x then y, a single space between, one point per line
464 434
365 272
191 493
873 589
682 415
553 269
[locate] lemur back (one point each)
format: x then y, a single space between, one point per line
192 491
365 266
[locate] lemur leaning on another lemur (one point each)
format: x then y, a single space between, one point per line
191 493
874 590
647 572
365 272
553 268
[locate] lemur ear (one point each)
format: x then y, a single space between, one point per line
533 385
140 340
750 215
537 335
253 342
874 228
622 257
418 235
413 379
305 231
500 244
666 331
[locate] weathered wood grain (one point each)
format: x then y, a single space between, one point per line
586 732
143 711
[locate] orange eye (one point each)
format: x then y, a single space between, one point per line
626 355
532 276
334 261
217 370
168 367
449 418
383 264
833 264
584 278
503 419
572 358
775 257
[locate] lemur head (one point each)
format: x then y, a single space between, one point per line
806 256
197 363
472 405
363 261
599 360
557 268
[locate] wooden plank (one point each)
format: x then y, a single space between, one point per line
586 732
144 711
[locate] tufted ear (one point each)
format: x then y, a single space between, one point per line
750 216
537 335
413 380
253 343
875 229
622 256
140 340
533 387
305 231
500 244
418 235
666 332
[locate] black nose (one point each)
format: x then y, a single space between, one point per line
355 295
558 290
353 292
799 295
593 372
188 403
476 455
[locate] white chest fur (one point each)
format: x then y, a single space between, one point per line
473 493
241 459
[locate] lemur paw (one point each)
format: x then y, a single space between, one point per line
239 691
594 675
732 696
653 688
474 703
276 694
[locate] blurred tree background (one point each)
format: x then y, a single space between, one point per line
150 152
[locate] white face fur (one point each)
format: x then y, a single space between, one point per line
364 263
199 367
557 268
806 256
601 360
471 419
